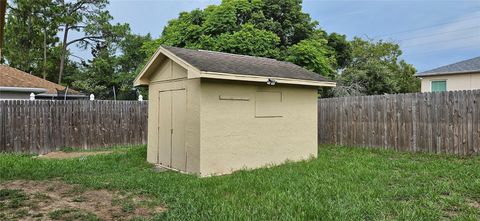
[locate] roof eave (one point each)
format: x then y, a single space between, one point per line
142 77
56 95
446 73
257 78
23 89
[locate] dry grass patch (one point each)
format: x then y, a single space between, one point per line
474 204
69 155
55 200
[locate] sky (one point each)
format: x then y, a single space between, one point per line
431 33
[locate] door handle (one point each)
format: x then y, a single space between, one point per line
171 131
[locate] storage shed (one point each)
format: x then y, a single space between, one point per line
213 113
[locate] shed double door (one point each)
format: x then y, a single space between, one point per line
172 113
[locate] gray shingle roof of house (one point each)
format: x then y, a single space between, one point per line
211 61
470 65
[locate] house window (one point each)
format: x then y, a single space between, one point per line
268 104
439 85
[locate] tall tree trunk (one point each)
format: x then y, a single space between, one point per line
3 9
45 54
63 54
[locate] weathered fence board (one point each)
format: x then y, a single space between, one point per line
42 126
441 122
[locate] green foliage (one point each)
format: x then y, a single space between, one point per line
184 31
222 19
109 69
116 57
267 28
98 78
313 55
251 27
91 19
405 78
377 69
31 32
129 63
342 49
286 19
341 184
279 29
248 40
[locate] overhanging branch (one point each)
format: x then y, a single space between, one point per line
86 38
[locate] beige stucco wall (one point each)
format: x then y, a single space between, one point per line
232 125
232 137
454 82
171 76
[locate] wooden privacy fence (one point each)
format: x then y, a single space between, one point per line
440 122
42 126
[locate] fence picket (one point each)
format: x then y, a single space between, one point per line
42 126
440 122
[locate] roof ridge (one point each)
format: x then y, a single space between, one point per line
225 53
239 55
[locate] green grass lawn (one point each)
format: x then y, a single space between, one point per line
342 184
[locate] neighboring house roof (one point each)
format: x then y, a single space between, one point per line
212 64
466 66
14 80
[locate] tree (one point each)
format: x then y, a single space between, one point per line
342 48
313 55
91 18
286 19
248 40
30 36
32 45
405 78
114 65
185 31
279 29
3 9
129 63
276 29
99 76
376 68
240 26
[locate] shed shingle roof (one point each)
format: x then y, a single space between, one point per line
211 61
12 77
470 65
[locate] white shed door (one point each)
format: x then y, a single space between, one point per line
172 111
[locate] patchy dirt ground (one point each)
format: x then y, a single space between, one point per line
474 204
55 200
67 155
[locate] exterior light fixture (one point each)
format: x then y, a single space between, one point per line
271 81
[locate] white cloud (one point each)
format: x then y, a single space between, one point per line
463 32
